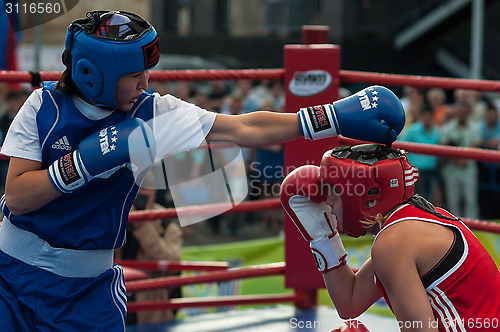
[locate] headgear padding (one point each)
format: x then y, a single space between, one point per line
369 179
103 47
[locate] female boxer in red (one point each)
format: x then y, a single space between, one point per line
429 267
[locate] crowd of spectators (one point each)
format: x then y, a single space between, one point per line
464 118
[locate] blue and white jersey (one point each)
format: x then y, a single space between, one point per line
51 124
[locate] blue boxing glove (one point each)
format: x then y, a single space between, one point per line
373 114
129 143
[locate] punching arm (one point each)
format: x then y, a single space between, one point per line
374 114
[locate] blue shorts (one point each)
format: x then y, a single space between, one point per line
52 289
32 299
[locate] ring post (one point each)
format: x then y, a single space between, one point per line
312 77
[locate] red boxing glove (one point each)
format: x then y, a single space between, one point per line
352 326
302 195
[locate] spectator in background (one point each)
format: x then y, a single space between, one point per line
184 90
218 92
261 90
160 87
277 96
489 173
4 89
413 103
479 105
405 99
249 102
14 99
425 131
200 98
436 98
490 128
461 175
474 98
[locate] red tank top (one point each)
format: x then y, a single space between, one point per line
466 297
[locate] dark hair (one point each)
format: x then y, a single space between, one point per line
11 95
424 205
490 106
426 110
66 84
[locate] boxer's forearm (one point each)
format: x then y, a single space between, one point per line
352 293
27 188
255 129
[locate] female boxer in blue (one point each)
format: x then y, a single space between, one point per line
80 147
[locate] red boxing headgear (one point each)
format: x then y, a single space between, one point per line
370 179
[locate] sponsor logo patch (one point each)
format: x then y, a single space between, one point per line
151 53
104 140
309 83
62 144
365 101
67 169
318 117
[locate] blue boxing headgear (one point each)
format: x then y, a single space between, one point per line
103 47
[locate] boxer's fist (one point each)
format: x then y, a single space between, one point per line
374 114
129 143
352 326
302 196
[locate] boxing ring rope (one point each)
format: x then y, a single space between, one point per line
231 274
347 76
163 265
439 150
216 301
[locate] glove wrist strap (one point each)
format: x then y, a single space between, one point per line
318 122
68 173
329 253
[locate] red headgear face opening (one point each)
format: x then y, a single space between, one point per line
370 179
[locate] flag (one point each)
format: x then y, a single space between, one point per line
9 36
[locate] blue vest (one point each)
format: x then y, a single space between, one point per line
95 216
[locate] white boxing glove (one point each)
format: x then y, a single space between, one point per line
302 196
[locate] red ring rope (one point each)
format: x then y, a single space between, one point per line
279 73
219 301
163 265
217 276
189 211
439 150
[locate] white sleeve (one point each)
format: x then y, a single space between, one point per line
179 125
22 139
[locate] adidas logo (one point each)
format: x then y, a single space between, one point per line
62 144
